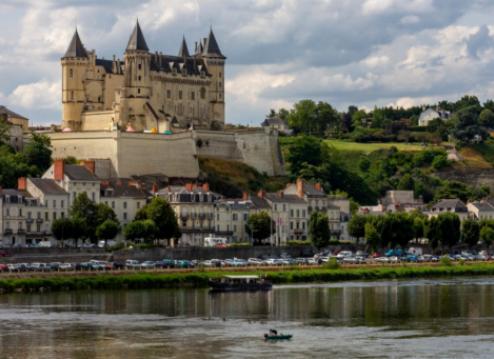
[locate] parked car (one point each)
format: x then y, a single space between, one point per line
148 265
132 264
255 262
4 267
66 266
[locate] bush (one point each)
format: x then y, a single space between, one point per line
332 264
240 245
445 261
298 243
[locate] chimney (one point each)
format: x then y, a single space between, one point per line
245 196
261 193
205 187
58 170
300 187
21 183
318 187
189 186
154 189
90 165
281 194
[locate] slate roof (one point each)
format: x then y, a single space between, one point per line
5 111
483 206
76 48
136 40
286 198
48 186
211 46
79 173
259 203
166 63
122 187
452 203
184 50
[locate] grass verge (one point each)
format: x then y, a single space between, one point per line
199 279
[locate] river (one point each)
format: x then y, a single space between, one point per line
396 319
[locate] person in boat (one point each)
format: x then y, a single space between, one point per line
273 332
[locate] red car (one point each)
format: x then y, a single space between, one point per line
3 267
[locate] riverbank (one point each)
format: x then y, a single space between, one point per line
200 278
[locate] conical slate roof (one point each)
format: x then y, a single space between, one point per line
76 48
184 50
136 40
211 46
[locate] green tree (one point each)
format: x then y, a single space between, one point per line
304 150
107 230
487 235
163 216
470 232
356 226
371 236
444 230
259 226
38 153
63 229
486 118
319 229
86 212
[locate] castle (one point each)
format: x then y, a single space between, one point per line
146 91
153 113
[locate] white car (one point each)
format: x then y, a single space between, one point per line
344 254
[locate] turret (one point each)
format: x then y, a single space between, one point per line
184 50
74 64
137 82
215 62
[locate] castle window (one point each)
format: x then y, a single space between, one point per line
71 73
139 67
139 78
203 93
180 94
168 94
138 91
71 95
220 74
192 95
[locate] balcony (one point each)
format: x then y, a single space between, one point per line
7 231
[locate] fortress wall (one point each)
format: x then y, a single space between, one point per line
217 144
86 145
174 156
261 151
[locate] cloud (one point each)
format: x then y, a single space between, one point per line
361 52
43 95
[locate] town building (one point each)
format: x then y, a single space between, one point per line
430 114
481 210
18 127
194 206
231 216
451 205
394 201
278 124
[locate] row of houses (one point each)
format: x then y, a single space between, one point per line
28 212
404 201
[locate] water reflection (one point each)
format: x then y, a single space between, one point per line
192 323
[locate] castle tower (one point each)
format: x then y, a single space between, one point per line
184 50
137 83
215 62
74 64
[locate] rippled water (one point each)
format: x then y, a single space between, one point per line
396 319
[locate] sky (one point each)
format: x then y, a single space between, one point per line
345 52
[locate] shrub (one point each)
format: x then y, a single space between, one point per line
332 264
298 243
445 261
240 245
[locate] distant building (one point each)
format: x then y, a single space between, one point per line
278 124
394 201
19 125
451 205
481 210
431 114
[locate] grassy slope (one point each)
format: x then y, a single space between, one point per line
371 147
238 176
200 278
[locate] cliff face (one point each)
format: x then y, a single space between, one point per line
469 175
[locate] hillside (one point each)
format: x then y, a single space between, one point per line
231 178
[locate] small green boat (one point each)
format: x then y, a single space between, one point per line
273 335
278 337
